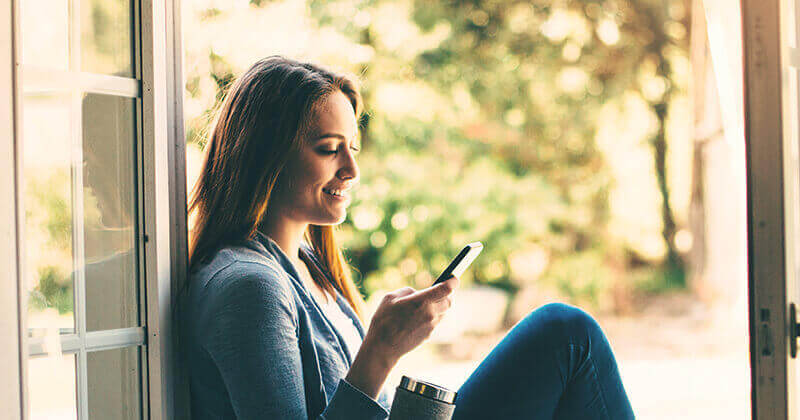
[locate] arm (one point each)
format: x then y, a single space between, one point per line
370 369
253 341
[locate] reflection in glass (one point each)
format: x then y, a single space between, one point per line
113 384
51 387
106 41
46 28
48 212
109 181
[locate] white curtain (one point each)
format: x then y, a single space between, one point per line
724 24
725 173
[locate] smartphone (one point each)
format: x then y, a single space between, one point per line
460 263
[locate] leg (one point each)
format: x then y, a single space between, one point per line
555 363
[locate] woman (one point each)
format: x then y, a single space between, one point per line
274 319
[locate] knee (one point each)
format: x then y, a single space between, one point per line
569 322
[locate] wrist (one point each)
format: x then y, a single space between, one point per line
380 357
370 368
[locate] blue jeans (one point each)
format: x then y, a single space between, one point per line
554 364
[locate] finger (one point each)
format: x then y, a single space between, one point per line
452 283
405 291
438 291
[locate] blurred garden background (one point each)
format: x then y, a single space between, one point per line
567 136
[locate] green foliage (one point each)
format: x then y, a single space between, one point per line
222 73
259 3
210 13
525 168
106 45
51 196
49 225
582 276
54 290
442 190
653 280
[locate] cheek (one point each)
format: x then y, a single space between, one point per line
303 183
289 185
315 172
308 174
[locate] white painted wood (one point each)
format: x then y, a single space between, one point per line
154 131
79 279
179 246
47 81
93 341
163 191
12 355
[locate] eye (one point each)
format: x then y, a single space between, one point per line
335 151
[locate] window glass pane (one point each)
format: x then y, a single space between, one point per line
114 384
106 41
51 387
109 181
46 27
48 211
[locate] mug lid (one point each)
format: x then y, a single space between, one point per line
427 389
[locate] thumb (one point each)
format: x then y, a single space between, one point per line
437 291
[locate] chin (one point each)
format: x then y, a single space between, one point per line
332 220
340 220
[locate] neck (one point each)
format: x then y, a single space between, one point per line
286 233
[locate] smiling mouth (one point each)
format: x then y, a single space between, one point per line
335 193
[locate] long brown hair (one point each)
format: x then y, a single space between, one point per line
262 121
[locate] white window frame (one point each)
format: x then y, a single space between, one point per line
162 212
164 171
80 341
13 359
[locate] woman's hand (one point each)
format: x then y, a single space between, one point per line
404 319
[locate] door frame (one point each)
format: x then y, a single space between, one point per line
164 202
13 351
771 376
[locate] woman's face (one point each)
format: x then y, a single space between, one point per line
314 187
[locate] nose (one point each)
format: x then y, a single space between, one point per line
349 169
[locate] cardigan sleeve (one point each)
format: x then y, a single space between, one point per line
252 338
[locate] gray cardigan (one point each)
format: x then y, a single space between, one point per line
259 347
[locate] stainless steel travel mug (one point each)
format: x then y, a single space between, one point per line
421 400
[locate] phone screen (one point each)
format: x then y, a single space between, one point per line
461 261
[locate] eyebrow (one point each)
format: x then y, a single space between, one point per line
333 135
328 135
